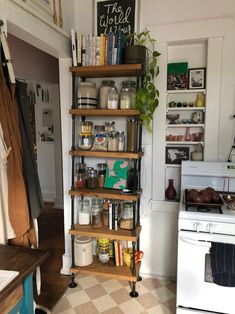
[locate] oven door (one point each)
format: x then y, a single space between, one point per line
195 289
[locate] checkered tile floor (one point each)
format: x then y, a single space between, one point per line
102 295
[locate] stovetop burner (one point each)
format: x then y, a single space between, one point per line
209 210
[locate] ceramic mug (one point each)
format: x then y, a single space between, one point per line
128 254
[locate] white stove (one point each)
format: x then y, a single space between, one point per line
198 228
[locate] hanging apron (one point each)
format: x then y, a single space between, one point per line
17 198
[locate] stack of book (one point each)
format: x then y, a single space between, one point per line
113 214
91 50
118 256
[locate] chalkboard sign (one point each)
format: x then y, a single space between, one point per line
114 15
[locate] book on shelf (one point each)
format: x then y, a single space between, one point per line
116 174
79 49
73 46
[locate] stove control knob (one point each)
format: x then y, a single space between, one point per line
197 226
210 227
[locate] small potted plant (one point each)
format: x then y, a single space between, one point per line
140 49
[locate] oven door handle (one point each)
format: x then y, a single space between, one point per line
195 242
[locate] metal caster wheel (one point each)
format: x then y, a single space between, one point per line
134 294
139 278
73 285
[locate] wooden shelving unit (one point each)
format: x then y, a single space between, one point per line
111 194
106 154
105 112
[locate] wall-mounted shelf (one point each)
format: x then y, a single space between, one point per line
107 154
184 108
105 112
186 91
183 143
191 125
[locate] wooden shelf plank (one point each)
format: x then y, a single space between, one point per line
121 70
105 112
108 270
93 153
105 193
119 234
191 125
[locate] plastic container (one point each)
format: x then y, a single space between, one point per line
83 251
106 84
84 212
87 95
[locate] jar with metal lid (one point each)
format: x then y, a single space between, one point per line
84 212
126 216
80 181
85 141
92 179
103 246
87 95
101 174
86 127
112 141
96 213
121 141
83 251
80 167
106 84
128 95
112 98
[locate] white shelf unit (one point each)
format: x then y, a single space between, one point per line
185 109
189 125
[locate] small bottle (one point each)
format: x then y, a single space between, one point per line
121 141
112 98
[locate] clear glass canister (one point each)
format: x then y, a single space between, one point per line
80 167
86 127
80 181
106 84
121 141
126 216
103 246
92 179
112 141
84 212
112 98
128 95
96 212
101 174
85 141
87 95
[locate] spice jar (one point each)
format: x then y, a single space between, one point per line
126 216
86 95
106 84
86 127
121 141
128 95
80 181
101 174
84 212
112 98
131 133
92 179
96 212
103 245
85 141
113 142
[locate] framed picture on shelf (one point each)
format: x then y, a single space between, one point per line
177 75
175 155
197 78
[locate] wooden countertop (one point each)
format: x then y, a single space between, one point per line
23 260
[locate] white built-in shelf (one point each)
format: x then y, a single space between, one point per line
186 91
188 125
172 166
183 143
184 108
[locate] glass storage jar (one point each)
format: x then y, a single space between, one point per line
96 212
87 95
103 246
85 141
126 216
101 174
112 141
106 84
80 181
92 179
84 212
128 95
113 98
86 127
121 141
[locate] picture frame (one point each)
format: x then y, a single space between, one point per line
176 154
123 13
196 78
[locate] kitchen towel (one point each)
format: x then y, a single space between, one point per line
223 263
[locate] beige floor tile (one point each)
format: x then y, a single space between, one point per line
147 300
70 311
171 286
120 296
86 308
159 309
111 285
171 305
62 305
151 283
114 310
95 292
163 294
71 290
104 303
88 281
77 298
131 306
139 288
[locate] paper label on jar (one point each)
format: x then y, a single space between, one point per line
104 257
